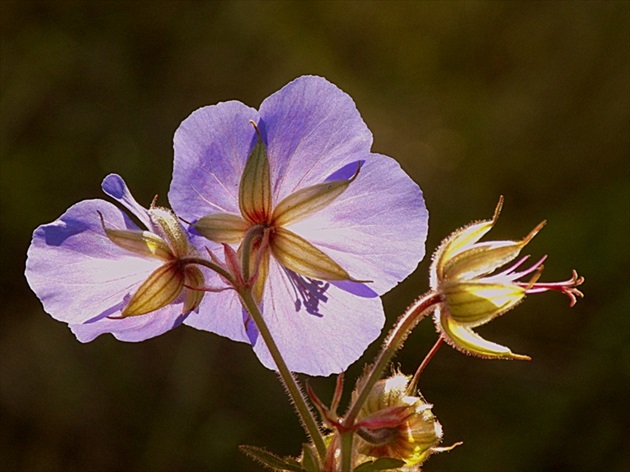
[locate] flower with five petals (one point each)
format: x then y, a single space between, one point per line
96 270
322 215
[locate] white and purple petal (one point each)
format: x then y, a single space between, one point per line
132 328
319 327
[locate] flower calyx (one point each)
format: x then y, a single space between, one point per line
167 241
392 426
262 231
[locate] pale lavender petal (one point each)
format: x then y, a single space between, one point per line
211 148
312 128
220 313
114 186
133 328
319 328
76 271
376 229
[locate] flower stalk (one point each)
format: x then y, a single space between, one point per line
290 382
246 295
394 341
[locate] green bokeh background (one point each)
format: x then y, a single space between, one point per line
475 99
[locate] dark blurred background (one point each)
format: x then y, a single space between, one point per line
475 99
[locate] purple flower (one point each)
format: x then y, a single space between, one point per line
96 270
334 225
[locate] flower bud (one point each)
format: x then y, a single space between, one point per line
397 425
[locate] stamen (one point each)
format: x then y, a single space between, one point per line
537 266
567 287
308 292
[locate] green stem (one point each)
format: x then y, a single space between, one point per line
304 412
346 450
210 265
413 385
394 341
290 382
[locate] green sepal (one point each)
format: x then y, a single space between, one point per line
140 242
297 254
272 461
459 241
255 188
222 227
143 243
162 287
480 259
309 200
475 303
467 341
193 277
383 463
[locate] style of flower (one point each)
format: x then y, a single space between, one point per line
96 270
296 189
463 273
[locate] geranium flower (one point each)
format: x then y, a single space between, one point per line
96 270
331 215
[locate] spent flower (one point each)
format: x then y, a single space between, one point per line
97 270
464 273
323 226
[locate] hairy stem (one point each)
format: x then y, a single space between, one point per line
346 450
394 341
304 412
413 385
